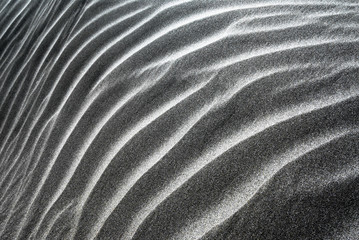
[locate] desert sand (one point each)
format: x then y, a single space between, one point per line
179 119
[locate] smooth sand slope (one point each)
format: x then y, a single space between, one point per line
179 119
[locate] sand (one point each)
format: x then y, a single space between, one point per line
179 119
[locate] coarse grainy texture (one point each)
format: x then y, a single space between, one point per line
179 119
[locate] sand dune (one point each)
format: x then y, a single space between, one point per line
179 119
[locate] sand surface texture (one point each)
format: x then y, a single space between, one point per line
179 119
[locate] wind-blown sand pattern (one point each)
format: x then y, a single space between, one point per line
182 119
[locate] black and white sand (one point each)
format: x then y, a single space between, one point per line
179 119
